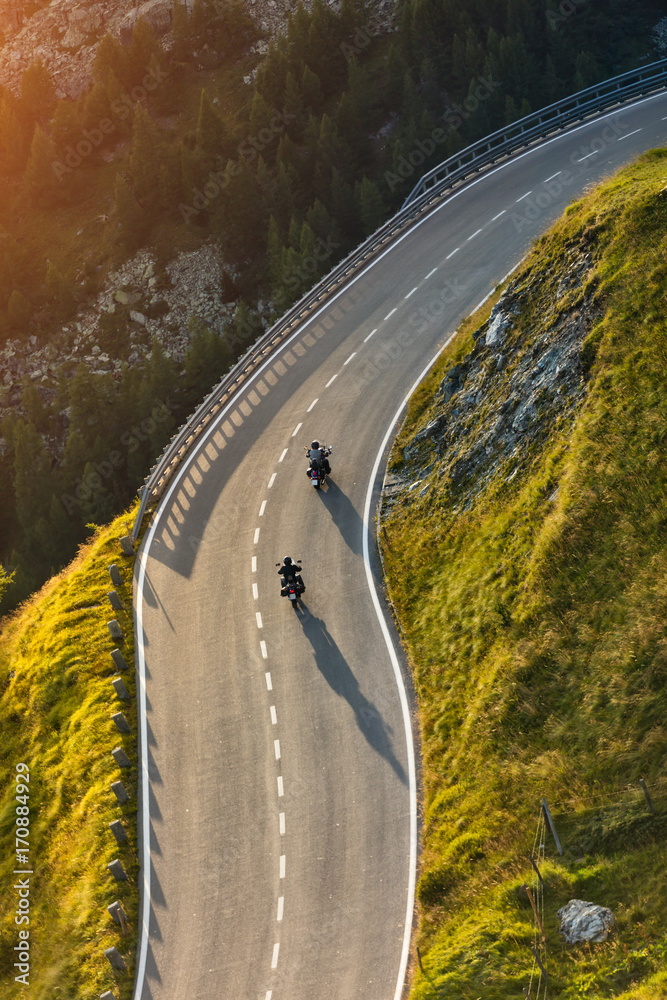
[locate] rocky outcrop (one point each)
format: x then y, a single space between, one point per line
495 407
148 303
584 921
64 34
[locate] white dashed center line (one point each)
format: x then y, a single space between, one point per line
255 592
283 454
281 907
274 716
276 748
265 655
621 137
281 789
504 212
268 995
523 196
430 273
254 564
296 430
281 820
282 866
587 156
258 616
353 355
332 379
274 960
370 334
256 536
452 253
412 292
553 177
311 405
476 233
272 479
269 683
390 314
262 508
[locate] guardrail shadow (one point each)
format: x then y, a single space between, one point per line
339 676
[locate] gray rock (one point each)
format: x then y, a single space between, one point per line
584 921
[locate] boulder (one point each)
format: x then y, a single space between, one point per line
584 921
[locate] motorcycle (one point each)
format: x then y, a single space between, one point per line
316 472
294 587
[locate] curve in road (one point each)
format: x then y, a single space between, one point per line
278 821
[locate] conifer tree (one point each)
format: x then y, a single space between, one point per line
144 48
12 141
32 475
212 138
130 219
110 56
372 209
180 30
144 162
38 95
18 312
311 90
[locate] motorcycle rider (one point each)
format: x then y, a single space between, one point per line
290 571
318 456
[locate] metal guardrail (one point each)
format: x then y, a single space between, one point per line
432 186
554 118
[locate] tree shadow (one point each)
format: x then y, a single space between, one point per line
337 673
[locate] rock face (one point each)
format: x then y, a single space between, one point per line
495 407
64 34
583 921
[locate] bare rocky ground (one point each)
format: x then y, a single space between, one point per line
64 34
493 410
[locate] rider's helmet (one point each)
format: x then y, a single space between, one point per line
315 444
287 560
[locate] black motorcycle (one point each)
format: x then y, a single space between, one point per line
316 471
293 587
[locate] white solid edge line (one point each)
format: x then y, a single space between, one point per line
403 696
213 426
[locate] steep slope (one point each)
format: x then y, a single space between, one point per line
56 705
525 542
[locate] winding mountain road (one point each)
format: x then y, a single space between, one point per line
279 804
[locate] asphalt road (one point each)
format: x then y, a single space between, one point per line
277 746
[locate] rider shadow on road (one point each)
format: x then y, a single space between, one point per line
343 514
334 668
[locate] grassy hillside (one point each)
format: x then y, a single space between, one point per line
56 704
533 598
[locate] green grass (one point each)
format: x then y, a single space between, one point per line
56 704
536 626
